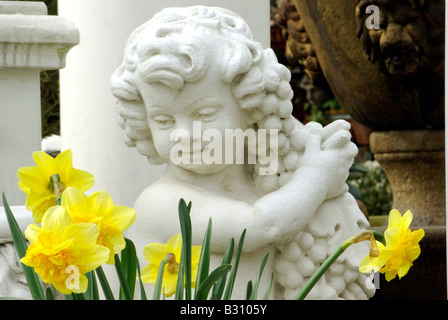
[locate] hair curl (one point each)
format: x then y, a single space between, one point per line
165 49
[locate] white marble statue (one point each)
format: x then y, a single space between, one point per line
190 78
12 279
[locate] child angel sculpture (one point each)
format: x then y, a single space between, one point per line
191 76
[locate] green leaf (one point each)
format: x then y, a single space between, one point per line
257 282
104 283
268 291
49 294
185 227
208 282
92 289
231 282
180 283
142 287
204 260
249 290
21 247
124 287
219 286
78 296
129 264
159 280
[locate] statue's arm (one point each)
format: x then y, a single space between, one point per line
280 215
321 175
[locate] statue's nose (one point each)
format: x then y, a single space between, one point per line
394 35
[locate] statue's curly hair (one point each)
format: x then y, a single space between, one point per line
165 50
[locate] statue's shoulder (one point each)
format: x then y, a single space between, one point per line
158 194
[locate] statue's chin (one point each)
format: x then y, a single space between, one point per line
403 63
202 168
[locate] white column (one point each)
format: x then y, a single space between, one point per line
88 110
30 41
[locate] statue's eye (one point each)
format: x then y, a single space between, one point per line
163 121
406 18
207 113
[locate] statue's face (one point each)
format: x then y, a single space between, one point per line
180 117
400 39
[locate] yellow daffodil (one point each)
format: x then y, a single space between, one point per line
112 220
156 252
35 181
401 248
61 251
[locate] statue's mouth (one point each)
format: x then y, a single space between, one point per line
401 61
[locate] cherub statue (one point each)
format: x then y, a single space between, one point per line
200 65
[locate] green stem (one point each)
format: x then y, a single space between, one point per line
379 236
57 186
323 268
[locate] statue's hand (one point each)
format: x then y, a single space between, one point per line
330 151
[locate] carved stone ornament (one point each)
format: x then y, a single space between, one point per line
12 279
196 71
29 38
299 48
410 36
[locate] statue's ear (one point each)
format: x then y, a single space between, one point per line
255 52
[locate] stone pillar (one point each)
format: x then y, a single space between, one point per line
89 123
30 41
414 162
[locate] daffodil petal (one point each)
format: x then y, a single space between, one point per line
95 258
418 235
393 237
56 219
175 243
394 219
123 217
155 252
32 232
406 220
404 268
63 163
100 202
34 178
81 179
85 234
42 159
149 273
72 197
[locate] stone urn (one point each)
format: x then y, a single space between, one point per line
387 79
388 76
